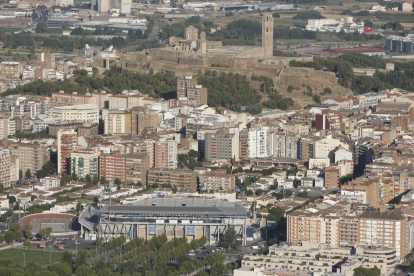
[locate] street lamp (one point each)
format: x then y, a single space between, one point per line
24 259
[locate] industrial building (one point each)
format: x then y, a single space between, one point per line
176 217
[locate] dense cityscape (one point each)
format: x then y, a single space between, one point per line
206 138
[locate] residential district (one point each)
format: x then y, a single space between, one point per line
206 138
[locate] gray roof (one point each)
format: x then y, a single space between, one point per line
177 206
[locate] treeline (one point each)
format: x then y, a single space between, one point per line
68 44
356 36
306 15
177 29
229 89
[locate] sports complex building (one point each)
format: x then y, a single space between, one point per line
176 217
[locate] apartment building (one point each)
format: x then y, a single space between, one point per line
67 142
187 87
324 147
31 154
389 229
117 121
7 127
258 142
367 191
224 144
51 181
136 167
243 144
217 181
84 162
288 259
112 166
165 154
331 178
102 99
5 170
11 69
142 118
296 128
127 100
75 97
185 180
80 112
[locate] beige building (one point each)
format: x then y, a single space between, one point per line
136 167
296 128
84 162
185 180
222 145
80 112
217 181
389 229
30 154
7 127
166 154
5 171
324 147
315 259
117 121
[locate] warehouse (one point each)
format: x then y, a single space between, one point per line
176 217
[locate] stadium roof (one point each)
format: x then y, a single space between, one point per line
177 207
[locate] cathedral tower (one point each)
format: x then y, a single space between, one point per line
267 35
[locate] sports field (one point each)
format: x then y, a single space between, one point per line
40 257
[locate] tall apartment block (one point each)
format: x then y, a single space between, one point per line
388 229
136 167
222 145
31 155
84 162
142 118
112 166
166 154
217 180
187 87
67 140
5 171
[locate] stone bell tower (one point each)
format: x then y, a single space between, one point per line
267 35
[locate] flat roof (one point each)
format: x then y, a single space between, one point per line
177 207
356 49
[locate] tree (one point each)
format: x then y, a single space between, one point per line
67 257
230 239
174 189
28 174
288 193
17 227
118 181
95 181
10 236
103 180
18 235
88 178
12 199
82 258
48 230
1 239
20 175
42 232
62 269
27 243
303 194
276 214
316 98
362 271
79 207
1 188
74 176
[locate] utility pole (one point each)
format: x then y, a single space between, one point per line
24 259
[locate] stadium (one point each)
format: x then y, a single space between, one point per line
176 217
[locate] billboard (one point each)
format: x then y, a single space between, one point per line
190 231
92 237
42 244
367 29
152 230
61 246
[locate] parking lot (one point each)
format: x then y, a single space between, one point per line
70 242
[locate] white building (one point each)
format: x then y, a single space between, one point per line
81 112
258 141
333 25
51 182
